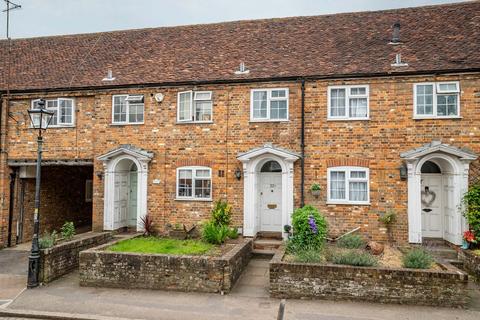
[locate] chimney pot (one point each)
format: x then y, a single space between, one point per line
396 33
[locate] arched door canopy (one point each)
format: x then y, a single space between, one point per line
253 161
452 161
140 158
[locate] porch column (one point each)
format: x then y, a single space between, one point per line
248 200
414 204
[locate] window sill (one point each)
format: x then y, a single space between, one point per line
436 118
61 127
193 122
267 120
349 203
126 124
348 119
194 199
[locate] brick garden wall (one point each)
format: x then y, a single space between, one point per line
376 142
471 261
338 282
100 268
63 258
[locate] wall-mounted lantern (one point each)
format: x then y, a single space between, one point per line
403 171
99 175
238 174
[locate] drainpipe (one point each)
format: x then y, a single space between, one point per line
13 176
302 147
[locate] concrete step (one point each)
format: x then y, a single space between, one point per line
266 244
269 235
455 262
263 253
444 253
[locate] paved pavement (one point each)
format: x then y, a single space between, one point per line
248 300
13 273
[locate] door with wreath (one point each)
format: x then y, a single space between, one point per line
432 215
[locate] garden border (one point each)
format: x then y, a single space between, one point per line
63 258
374 284
100 268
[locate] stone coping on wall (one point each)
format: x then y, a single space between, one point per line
63 257
446 287
471 261
202 273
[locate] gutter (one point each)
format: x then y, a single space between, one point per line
302 148
249 80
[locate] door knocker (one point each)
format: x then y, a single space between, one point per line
428 197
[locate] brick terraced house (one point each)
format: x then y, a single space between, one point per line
381 109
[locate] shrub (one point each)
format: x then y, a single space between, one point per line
309 256
68 230
309 229
233 233
417 259
221 213
47 240
471 209
147 224
214 233
354 258
351 241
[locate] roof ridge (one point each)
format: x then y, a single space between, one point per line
242 21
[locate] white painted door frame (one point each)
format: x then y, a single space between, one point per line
460 169
252 162
110 161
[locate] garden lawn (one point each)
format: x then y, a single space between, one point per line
162 245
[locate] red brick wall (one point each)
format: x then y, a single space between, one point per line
378 142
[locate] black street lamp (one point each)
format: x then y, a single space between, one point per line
40 119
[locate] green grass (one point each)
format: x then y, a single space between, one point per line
161 245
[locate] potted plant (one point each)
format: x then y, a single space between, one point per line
388 218
315 189
468 238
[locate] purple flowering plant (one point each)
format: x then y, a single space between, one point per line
312 224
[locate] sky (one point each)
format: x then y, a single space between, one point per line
54 17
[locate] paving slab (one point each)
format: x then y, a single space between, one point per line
248 300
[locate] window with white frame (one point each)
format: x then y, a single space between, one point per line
269 105
194 183
127 109
440 99
348 185
348 102
63 111
194 106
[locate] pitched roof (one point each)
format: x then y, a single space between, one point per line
435 38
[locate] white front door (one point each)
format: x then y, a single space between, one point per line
270 201
120 204
432 209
